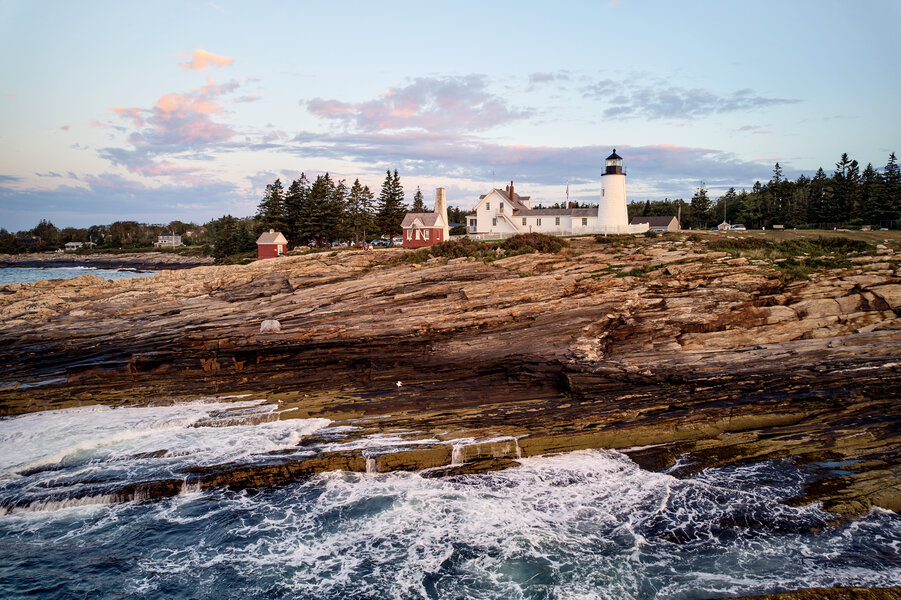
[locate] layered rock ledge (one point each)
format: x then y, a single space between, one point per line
681 357
131 260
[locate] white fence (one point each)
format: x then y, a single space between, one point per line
620 230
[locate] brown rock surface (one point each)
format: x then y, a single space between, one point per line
693 352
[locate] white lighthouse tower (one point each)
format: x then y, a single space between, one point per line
613 216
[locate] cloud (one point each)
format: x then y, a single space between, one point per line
109 197
541 77
178 124
48 174
9 94
4 179
463 156
202 60
426 103
656 99
248 98
66 127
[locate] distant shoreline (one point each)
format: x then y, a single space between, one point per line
137 260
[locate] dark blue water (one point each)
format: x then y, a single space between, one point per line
29 275
583 525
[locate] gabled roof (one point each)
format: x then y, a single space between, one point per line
429 219
556 212
518 202
652 221
272 237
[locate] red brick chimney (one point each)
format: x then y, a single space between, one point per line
511 191
569 205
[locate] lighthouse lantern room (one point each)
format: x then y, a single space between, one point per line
613 216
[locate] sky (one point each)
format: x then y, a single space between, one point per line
187 109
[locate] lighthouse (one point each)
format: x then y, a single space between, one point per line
613 217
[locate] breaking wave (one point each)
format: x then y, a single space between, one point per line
588 524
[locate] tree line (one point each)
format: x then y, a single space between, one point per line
849 197
327 210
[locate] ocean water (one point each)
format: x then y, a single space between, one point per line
28 274
586 525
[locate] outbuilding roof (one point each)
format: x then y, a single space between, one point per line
272 237
653 221
429 219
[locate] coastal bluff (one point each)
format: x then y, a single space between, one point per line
682 356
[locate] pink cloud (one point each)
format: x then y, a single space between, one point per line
100 125
132 113
248 98
9 94
426 103
66 127
202 60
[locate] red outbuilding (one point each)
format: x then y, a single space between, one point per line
426 229
271 244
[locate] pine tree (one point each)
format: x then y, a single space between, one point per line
338 222
819 198
271 211
391 207
700 207
316 221
418 204
359 211
295 197
870 184
890 193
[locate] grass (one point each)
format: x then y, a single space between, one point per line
796 258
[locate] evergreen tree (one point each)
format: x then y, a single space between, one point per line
295 197
225 237
890 194
317 221
844 190
359 210
700 207
391 209
418 204
870 184
819 198
271 211
338 222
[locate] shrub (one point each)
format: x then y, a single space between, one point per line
650 234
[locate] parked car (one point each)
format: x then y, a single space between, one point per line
738 227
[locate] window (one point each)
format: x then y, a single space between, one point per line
523 221
500 208
538 222
584 221
556 220
602 191
409 234
425 234
494 221
487 206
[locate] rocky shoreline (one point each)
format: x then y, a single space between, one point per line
682 357
134 260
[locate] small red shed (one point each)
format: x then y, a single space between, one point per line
271 244
427 229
